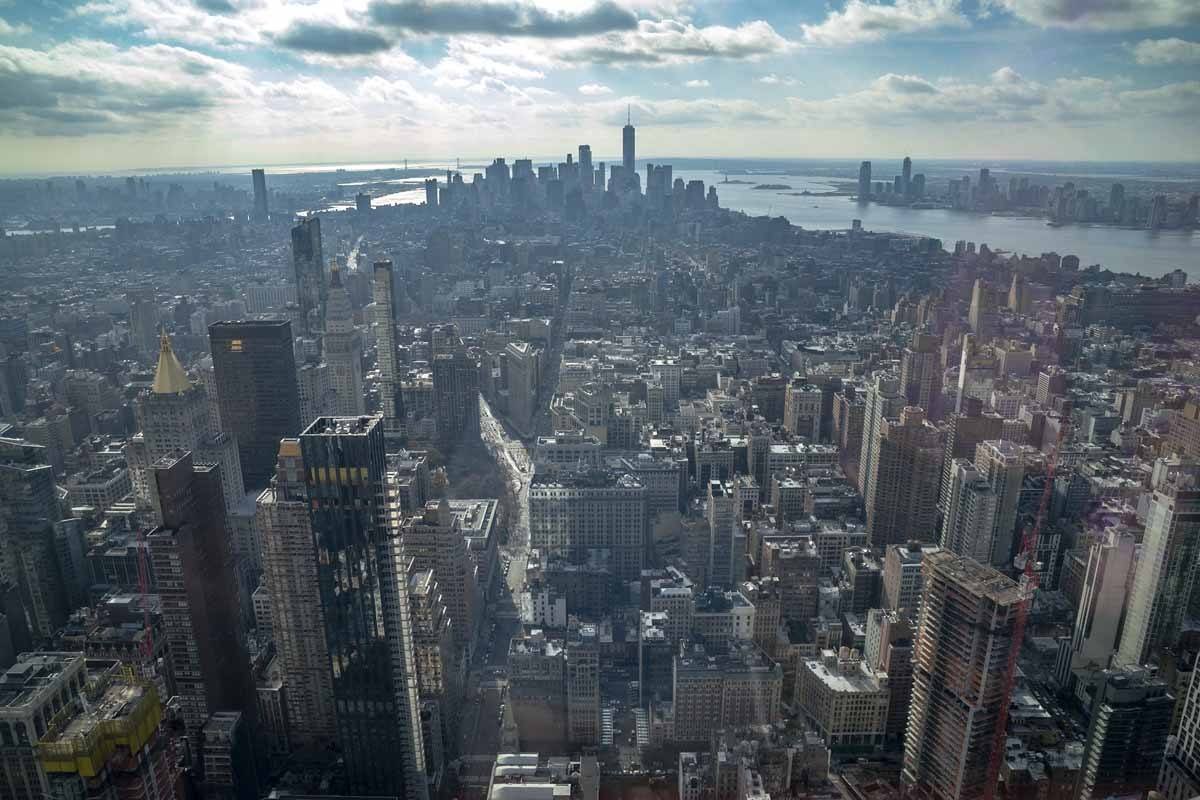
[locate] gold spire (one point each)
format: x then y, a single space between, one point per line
169 378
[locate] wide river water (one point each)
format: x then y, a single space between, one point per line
1152 253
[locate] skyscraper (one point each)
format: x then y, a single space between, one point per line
364 598
627 150
194 569
920 372
342 346
260 194
906 462
29 507
1180 775
310 273
864 181
391 399
456 396
582 670
1102 604
291 576
143 322
960 661
255 371
586 173
433 540
999 461
176 416
723 507
906 176
884 399
1167 580
970 513
966 430
1127 734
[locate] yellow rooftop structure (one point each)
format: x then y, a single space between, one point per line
170 377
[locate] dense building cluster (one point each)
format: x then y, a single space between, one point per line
1154 207
559 479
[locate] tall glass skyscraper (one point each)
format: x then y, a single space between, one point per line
364 594
255 370
311 286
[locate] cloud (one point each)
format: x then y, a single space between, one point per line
861 21
772 79
447 17
1103 14
894 100
331 40
673 112
8 29
216 6
697 84
669 42
86 87
1157 52
594 89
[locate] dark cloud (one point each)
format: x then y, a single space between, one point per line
334 40
51 104
500 18
216 6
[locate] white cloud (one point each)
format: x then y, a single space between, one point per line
594 89
669 41
88 86
895 100
861 21
1104 14
772 79
697 84
8 29
1156 52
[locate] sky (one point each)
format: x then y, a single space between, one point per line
94 85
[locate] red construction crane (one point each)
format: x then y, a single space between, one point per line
1026 561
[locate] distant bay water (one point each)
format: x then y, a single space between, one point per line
1151 253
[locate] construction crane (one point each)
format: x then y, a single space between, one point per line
1026 561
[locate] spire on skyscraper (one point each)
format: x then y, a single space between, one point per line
170 377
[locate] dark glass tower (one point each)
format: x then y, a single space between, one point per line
627 149
307 259
259 179
364 595
255 370
456 397
193 565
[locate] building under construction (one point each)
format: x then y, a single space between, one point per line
960 667
107 743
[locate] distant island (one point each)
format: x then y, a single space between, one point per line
772 186
735 181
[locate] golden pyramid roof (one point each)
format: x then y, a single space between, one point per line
169 378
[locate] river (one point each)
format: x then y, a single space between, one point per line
1152 253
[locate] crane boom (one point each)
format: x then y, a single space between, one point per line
1026 561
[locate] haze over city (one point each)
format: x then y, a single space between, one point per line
123 84
599 400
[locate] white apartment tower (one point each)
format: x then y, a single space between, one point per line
1166 581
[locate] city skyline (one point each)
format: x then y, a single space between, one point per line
123 84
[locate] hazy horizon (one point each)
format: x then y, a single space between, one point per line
126 84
